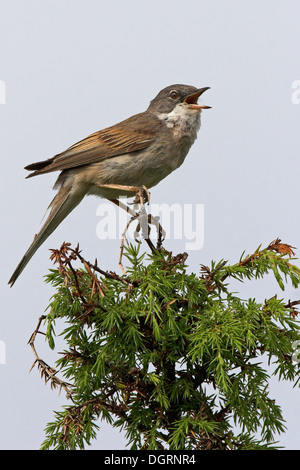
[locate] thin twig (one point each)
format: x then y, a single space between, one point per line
123 238
46 371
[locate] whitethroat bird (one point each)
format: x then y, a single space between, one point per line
123 159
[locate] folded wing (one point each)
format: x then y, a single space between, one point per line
129 136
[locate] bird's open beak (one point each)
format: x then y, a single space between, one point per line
191 100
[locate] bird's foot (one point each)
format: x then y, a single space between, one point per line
142 196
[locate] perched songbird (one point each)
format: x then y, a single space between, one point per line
118 161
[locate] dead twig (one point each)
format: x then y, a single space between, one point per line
47 372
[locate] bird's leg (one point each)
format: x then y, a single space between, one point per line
142 193
150 219
143 220
134 216
142 196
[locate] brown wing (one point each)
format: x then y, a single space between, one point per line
129 136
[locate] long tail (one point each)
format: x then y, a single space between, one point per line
63 203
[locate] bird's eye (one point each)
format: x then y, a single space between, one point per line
174 94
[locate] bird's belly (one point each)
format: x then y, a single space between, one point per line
146 168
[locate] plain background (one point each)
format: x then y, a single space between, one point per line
72 67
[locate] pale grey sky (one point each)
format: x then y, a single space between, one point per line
72 67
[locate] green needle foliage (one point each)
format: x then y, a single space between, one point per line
174 359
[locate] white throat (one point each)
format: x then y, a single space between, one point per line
184 120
